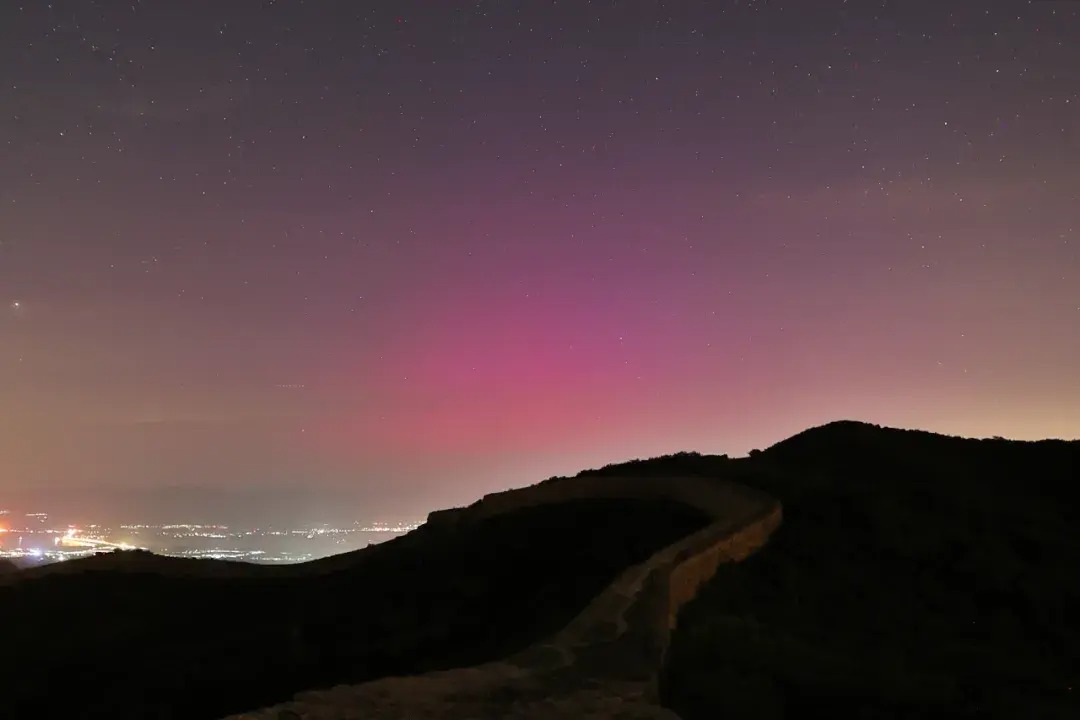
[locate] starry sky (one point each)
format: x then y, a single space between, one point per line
401 253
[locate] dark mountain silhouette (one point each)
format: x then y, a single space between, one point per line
914 575
203 639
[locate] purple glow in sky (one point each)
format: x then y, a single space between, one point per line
410 252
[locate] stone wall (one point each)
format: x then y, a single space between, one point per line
699 565
605 662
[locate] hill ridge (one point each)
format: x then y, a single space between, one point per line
608 658
946 514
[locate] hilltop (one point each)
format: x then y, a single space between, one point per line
915 575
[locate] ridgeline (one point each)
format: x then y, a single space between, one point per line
912 575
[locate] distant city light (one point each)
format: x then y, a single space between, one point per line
265 545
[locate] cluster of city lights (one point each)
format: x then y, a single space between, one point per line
36 541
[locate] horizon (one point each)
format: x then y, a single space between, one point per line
232 506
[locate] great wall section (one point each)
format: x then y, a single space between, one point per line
605 663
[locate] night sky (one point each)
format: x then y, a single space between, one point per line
408 252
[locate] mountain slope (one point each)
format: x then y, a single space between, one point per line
916 575
130 644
